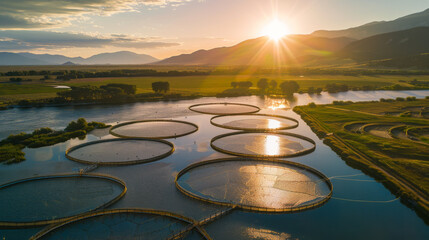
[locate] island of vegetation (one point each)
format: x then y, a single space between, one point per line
11 147
387 139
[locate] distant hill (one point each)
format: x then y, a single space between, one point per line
420 19
123 57
263 51
7 58
389 45
69 64
51 59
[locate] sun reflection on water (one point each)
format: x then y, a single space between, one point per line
272 145
275 103
273 124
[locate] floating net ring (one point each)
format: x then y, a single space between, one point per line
179 225
379 129
259 123
263 144
264 185
399 132
119 151
222 108
56 198
355 127
416 133
154 129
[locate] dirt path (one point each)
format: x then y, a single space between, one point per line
348 110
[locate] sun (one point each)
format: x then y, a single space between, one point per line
275 30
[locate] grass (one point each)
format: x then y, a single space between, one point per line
404 158
201 85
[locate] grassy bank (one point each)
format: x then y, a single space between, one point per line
402 164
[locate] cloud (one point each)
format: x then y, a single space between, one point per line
27 40
26 14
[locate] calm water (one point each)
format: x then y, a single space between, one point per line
347 216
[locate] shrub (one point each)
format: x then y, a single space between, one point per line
80 124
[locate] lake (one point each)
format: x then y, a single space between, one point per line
360 208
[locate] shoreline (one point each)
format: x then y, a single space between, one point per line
408 193
173 97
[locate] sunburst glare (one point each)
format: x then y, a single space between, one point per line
275 30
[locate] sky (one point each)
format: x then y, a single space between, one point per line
164 28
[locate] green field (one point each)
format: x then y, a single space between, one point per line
371 146
201 85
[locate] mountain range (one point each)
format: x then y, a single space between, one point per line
123 57
420 19
401 38
263 51
389 45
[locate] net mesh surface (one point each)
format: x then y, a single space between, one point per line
265 144
55 198
253 122
260 184
123 226
225 108
120 151
154 129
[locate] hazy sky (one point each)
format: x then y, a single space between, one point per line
170 27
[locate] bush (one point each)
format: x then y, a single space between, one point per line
10 153
312 105
411 98
42 131
399 99
80 124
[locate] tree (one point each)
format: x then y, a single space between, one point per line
245 84
273 84
234 84
263 84
289 87
127 88
160 87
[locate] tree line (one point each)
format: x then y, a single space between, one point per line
73 74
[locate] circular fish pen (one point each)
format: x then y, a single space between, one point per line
155 129
125 224
263 145
257 185
120 151
224 108
355 127
419 134
45 200
379 129
399 132
254 122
